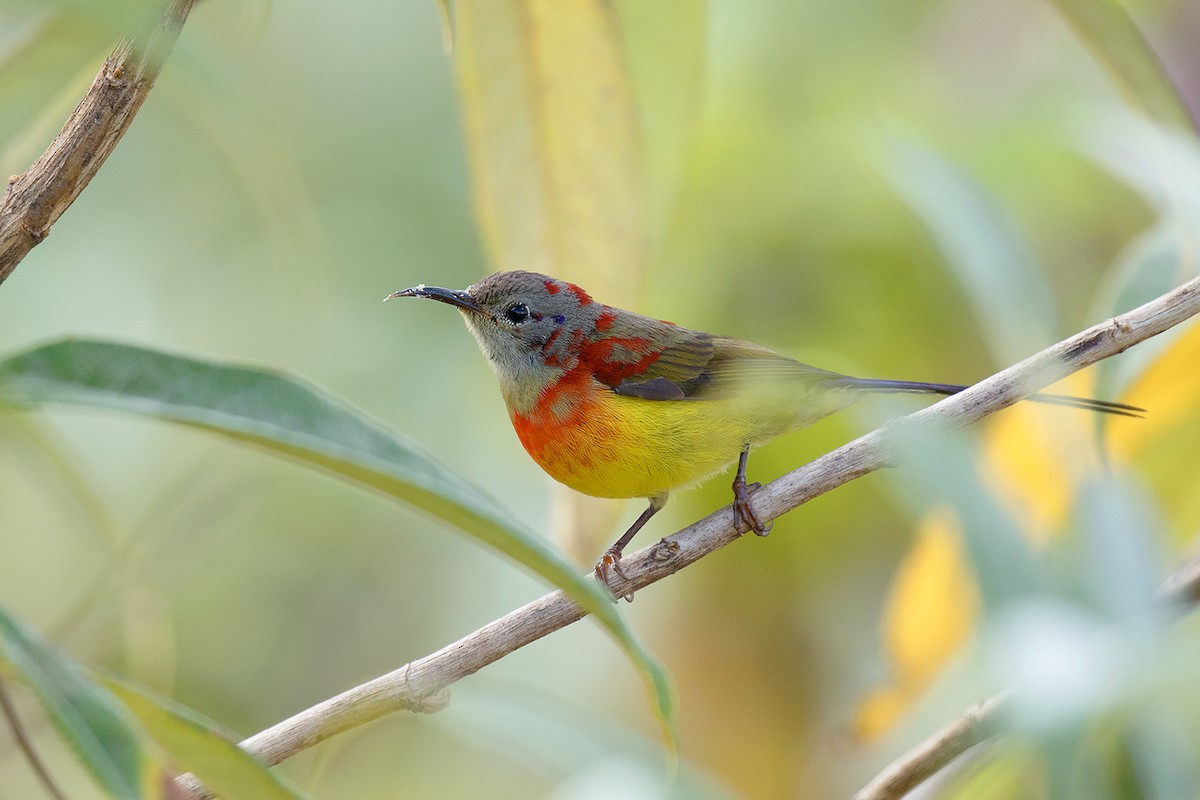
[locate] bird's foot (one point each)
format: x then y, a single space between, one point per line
743 509
609 563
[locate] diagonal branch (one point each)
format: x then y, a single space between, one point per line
976 725
36 199
421 685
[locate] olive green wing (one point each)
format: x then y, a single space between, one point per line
693 365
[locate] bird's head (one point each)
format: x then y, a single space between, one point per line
530 326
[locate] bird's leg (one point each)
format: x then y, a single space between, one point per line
611 560
743 511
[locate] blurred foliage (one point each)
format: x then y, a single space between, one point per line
123 763
933 606
884 189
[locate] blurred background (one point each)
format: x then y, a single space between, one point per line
298 161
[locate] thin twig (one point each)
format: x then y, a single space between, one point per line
36 199
25 744
1183 587
931 756
421 685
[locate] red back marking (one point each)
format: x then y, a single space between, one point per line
583 297
606 320
597 357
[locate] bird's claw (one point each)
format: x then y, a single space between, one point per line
743 509
609 563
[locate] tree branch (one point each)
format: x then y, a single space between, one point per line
1183 587
421 685
36 199
976 725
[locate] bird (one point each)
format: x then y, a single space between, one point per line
616 404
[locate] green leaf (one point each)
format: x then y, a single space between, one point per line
942 469
1011 769
1120 561
289 417
1160 161
201 747
1149 267
1115 40
983 248
46 57
103 734
1163 165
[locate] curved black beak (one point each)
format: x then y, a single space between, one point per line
448 296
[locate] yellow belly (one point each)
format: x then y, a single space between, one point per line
619 446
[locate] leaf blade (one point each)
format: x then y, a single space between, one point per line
290 417
983 249
198 745
1113 37
554 140
103 735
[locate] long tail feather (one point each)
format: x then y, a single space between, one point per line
1103 406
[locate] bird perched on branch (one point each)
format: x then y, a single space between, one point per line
617 404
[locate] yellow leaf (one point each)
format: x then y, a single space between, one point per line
1169 389
932 608
1035 456
934 602
556 154
879 711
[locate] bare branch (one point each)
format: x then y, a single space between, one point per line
1183 587
36 199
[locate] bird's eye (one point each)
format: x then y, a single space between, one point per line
517 313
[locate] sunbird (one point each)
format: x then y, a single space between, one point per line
617 404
